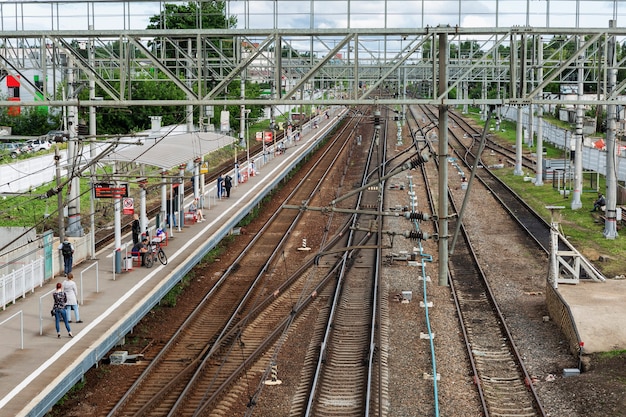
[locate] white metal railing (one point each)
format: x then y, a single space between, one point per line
21 314
20 281
42 309
93 265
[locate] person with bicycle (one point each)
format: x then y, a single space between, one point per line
141 249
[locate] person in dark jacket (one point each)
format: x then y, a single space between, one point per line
136 229
599 203
60 301
220 185
228 184
67 251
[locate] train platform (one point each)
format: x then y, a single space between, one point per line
597 309
37 368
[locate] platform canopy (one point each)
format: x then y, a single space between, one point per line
169 150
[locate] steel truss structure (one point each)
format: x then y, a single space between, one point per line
352 64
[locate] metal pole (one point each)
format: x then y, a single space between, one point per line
61 209
118 230
578 157
92 150
74 226
610 225
163 221
539 168
443 162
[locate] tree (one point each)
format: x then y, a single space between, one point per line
31 121
193 15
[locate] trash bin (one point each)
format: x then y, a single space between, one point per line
129 262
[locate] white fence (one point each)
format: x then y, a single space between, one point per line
19 282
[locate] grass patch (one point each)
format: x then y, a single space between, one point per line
582 228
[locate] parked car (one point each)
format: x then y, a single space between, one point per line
11 149
41 144
26 148
57 136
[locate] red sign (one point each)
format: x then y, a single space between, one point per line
265 136
128 206
103 190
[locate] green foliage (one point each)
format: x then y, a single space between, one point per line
210 15
32 121
612 354
192 15
171 298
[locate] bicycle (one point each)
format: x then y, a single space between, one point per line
155 251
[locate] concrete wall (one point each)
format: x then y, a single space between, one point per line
560 313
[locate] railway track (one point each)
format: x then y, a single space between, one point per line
503 384
466 145
238 319
343 378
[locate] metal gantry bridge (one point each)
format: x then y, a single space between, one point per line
50 43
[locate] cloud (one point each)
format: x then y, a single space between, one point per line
323 14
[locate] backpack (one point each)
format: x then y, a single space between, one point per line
66 250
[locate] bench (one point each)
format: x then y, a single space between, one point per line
190 217
136 256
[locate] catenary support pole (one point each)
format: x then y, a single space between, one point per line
578 155
539 167
443 162
610 225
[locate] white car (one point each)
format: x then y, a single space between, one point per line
39 144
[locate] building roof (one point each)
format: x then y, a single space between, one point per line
167 150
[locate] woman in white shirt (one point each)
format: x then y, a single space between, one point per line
71 292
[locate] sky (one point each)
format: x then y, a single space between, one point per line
256 14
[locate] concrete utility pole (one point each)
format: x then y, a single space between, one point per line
92 149
610 225
74 226
539 168
519 142
578 157
60 212
117 212
443 163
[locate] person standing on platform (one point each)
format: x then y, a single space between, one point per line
67 251
220 182
228 184
136 229
71 293
59 310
